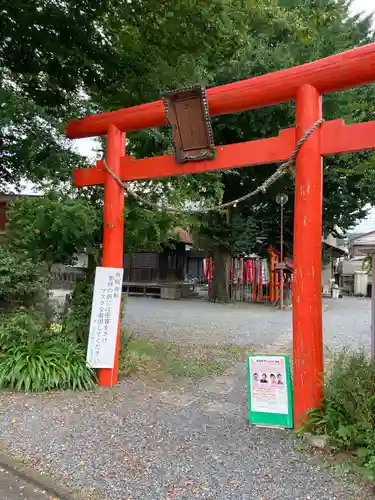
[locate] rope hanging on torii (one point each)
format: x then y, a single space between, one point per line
191 132
283 169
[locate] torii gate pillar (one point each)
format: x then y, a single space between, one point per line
113 231
307 259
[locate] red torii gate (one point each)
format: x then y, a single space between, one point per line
305 84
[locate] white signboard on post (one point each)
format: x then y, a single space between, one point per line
105 314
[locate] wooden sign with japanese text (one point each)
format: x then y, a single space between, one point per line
105 313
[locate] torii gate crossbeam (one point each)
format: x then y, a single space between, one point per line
305 84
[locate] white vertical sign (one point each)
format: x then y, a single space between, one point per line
105 313
265 272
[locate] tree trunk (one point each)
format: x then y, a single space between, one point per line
92 262
163 264
220 281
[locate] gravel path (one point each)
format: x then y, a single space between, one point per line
144 442
346 322
14 488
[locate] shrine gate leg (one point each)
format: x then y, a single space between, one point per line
307 260
113 232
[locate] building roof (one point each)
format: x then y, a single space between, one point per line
181 235
363 244
335 250
6 197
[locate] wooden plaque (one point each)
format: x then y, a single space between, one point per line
188 117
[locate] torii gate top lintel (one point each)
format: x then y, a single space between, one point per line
305 84
331 74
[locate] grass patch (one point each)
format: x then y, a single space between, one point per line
161 360
33 358
195 368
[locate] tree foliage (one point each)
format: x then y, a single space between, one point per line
52 229
291 34
348 180
49 53
31 145
288 34
51 50
22 281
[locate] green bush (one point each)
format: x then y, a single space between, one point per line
22 281
77 322
348 413
20 327
35 359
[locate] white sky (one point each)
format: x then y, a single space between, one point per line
85 146
366 6
366 225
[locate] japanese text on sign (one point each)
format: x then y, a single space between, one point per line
105 314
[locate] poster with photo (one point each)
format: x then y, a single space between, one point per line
269 389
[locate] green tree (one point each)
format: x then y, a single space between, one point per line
61 59
22 281
50 52
31 145
189 43
290 34
78 56
348 180
52 229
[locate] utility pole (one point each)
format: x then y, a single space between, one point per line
281 199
